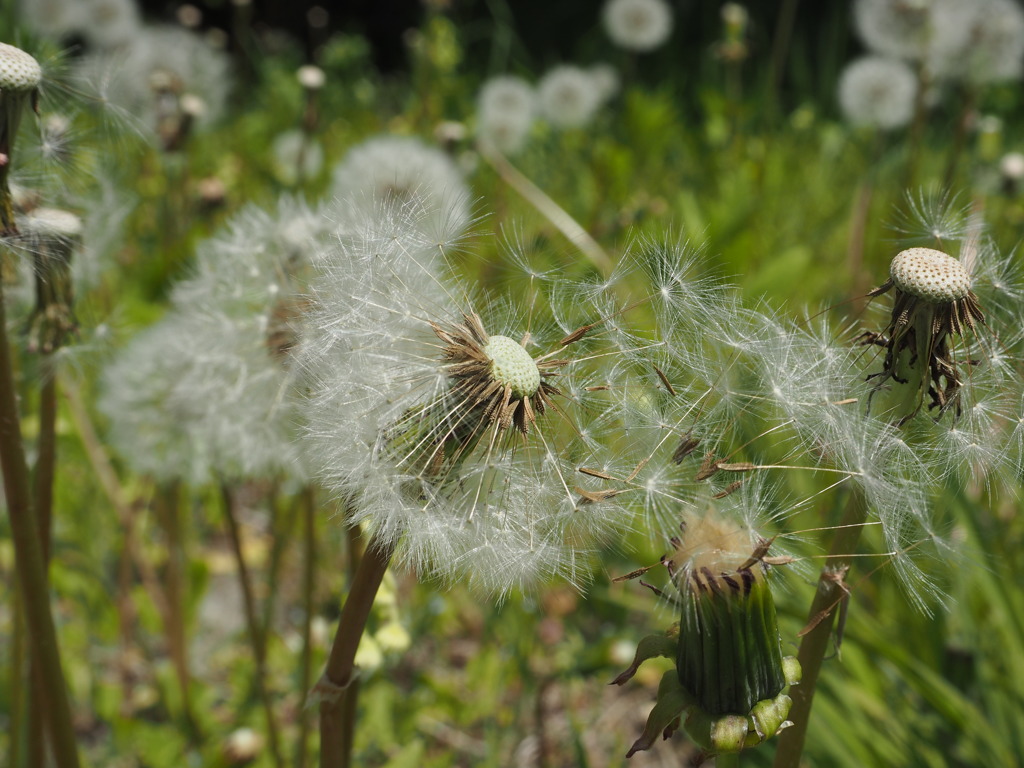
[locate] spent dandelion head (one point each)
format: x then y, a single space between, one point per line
20 76
894 28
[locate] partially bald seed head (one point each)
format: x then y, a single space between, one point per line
930 275
18 70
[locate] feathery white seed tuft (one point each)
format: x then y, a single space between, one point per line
930 275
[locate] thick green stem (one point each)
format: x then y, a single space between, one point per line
335 750
728 760
30 565
816 641
256 637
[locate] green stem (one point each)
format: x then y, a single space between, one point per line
816 641
256 637
30 565
308 603
728 760
335 750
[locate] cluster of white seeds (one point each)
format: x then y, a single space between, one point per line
18 70
930 275
512 366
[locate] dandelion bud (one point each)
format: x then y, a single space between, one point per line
19 86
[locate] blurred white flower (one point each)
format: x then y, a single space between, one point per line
877 92
152 78
506 109
213 380
569 96
899 29
297 157
978 42
637 25
404 169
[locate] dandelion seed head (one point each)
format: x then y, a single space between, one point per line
506 110
637 25
454 422
568 96
979 42
895 28
877 92
397 170
179 61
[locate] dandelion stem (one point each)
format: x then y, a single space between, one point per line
308 580
728 760
42 481
256 637
815 642
29 564
335 749
551 210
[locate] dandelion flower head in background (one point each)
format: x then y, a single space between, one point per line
215 377
404 170
637 25
506 110
569 96
453 425
877 92
899 29
977 42
164 73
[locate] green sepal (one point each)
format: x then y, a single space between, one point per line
792 670
650 647
673 702
768 718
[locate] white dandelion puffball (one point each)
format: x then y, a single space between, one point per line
877 92
979 42
607 80
506 109
637 25
108 24
404 170
216 375
899 29
297 157
454 425
180 62
569 96
51 18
